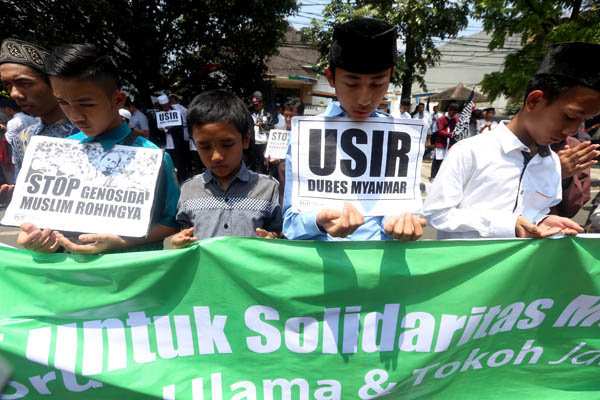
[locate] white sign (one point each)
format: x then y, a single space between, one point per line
168 118
277 145
375 164
69 186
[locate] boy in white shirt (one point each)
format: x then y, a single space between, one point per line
502 184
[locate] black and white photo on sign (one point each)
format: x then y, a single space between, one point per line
70 186
374 164
277 144
168 118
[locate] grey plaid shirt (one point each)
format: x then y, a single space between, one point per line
251 201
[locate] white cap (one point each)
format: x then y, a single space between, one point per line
163 99
124 113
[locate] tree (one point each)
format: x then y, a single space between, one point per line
538 23
419 22
159 44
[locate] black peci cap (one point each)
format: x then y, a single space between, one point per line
17 51
364 46
577 61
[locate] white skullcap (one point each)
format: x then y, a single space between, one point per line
163 99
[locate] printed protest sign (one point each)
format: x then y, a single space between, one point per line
78 187
240 318
375 164
277 145
168 118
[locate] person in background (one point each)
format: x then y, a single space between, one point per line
445 126
487 123
476 116
280 118
138 121
404 106
227 199
292 108
263 123
175 144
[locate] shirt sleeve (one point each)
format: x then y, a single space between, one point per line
274 221
442 127
170 192
442 206
183 219
297 225
559 192
13 128
143 122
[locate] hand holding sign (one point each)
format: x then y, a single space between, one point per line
405 227
340 224
97 243
32 238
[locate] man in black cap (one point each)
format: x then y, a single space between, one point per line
502 184
362 59
263 123
22 73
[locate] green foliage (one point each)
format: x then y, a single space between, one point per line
538 23
419 22
159 44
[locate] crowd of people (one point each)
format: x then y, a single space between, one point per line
215 179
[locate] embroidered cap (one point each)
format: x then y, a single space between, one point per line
577 61
364 46
19 52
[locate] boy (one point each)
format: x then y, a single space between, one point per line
227 199
501 185
86 86
362 59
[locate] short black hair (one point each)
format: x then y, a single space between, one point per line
296 105
454 107
10 103
490 109
553 86
83 62
219 107
477 114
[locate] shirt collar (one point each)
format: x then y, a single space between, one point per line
109 139
510 142
243 174
334 109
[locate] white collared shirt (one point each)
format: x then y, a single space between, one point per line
483 186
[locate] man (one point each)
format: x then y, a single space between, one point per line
362 59
476 116
263 123
22 73
445 126
421 114
404 106
175 145
138 122
502 184
487 124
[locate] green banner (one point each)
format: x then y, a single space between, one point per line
236 318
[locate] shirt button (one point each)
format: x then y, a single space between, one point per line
225 226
